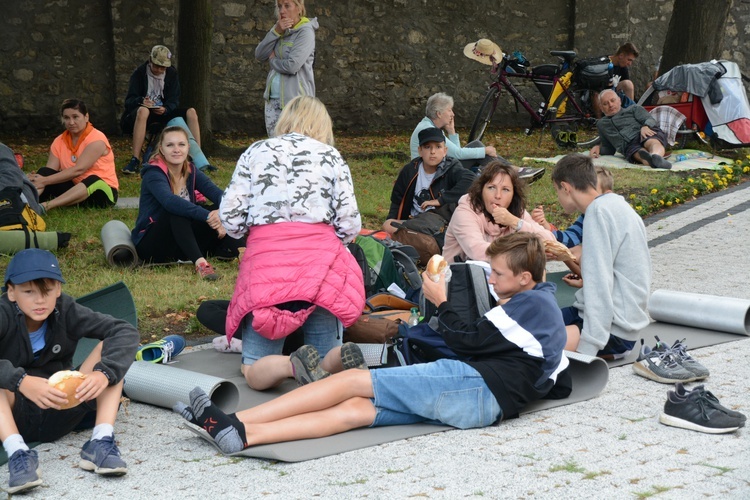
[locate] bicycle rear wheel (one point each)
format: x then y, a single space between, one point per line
484 116
573 128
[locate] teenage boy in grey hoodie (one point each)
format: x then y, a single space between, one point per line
610 310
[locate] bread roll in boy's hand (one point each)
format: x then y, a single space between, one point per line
560 251
67 381
436 265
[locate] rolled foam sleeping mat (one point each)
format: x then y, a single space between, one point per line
118 246
15 240
723 314
162 385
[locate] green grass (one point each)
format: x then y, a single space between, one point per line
166 297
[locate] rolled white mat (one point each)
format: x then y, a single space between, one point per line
162 385
723 314
118 246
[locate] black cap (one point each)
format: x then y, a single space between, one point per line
432 134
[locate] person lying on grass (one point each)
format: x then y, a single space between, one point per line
516 353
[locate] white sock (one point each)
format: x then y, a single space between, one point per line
102 431
13 443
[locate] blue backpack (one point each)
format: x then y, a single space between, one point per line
468 293
420 344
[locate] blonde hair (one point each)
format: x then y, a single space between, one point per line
298 3
605 179
185 170
308 116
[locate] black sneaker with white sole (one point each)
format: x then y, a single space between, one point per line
713 400
695 412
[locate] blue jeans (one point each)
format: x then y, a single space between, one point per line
615 346
322 330
446 391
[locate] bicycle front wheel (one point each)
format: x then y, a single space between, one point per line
484 116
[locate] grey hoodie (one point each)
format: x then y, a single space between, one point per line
294 54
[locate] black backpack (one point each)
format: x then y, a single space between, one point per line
15 214
594 73
468 293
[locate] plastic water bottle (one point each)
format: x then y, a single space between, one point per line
414 317
681 157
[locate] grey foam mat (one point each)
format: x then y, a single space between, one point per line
175 385
127 202
589 374
118 245
702 320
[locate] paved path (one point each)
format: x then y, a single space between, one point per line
609 447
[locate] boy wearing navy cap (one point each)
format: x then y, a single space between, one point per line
427 182
39 331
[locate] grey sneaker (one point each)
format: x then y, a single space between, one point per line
24 471
530 174
679 350
306 365
712 400
693 411
660 366
352 357
103 457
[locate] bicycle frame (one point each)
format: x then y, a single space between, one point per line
503 82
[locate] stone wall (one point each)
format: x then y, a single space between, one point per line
376 60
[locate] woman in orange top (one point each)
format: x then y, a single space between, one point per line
81 166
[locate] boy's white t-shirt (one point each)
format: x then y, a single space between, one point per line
424 181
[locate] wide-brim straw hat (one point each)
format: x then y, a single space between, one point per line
485 51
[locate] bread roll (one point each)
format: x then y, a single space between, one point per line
560 251
67 381
436 265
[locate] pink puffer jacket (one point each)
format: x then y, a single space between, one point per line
293 261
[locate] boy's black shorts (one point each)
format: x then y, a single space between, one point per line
36 424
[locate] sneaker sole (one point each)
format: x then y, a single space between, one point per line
91 467
352 357
25 486
643 371
684 424
301 361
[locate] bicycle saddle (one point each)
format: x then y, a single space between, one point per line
567 55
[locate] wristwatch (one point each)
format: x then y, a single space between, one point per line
519 225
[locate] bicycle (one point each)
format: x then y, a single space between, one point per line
565 105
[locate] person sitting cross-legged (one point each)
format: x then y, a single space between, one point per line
509 358
80 169
428 181
630 131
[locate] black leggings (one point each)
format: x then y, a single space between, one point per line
103 195
173 237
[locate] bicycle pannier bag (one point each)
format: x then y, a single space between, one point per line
544 86
594 73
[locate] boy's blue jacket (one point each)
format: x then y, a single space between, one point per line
516 347
69 323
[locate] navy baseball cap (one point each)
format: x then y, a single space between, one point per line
30 264
432 134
